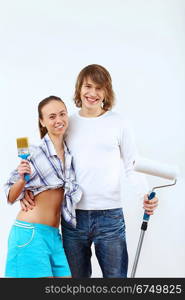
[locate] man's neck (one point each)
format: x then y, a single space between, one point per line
91 113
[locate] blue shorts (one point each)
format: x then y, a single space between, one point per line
35 250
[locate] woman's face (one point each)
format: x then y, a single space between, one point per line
55 118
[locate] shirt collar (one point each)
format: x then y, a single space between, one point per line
49 147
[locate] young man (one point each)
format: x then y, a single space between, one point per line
98 139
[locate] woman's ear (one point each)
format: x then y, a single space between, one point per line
41 122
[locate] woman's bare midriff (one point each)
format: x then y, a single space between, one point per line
47 209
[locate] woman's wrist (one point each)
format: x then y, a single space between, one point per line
22 180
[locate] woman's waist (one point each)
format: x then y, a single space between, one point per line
50 197
51 218
47 208
46 191
34 225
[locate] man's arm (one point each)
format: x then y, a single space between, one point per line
150 205
27 202
129 153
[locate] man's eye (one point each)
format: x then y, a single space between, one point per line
51 117
62 114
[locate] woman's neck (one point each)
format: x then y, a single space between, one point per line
58 143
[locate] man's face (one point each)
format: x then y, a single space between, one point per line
92 95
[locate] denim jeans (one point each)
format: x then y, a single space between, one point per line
104 228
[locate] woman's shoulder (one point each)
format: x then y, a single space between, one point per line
34 150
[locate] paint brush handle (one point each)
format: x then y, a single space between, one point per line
27 177
25 156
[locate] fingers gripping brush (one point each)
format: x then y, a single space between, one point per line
156 169
23 151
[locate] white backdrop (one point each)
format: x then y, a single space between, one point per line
44 45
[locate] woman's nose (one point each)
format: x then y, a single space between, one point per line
58 119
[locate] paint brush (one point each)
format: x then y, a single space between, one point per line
23 151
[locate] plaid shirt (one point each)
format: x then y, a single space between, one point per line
48 172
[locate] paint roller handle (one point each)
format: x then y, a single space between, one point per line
146 217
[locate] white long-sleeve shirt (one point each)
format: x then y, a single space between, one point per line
97 146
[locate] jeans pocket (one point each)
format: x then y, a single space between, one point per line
115 214
113 219
24 236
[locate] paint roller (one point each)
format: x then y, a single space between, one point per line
151 167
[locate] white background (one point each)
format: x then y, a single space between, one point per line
44 45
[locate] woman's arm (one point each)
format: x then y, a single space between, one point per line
17 188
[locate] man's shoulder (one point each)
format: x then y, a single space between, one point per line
117 118
121 120
114 114
73 116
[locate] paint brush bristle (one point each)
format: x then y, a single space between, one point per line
23 152
22 142
23 147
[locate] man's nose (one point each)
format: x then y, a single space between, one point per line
93 92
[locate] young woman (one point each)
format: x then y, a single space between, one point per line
35 247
